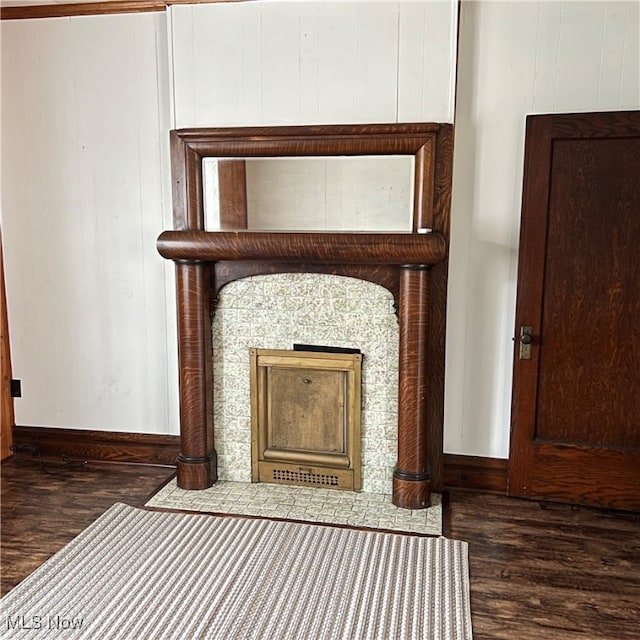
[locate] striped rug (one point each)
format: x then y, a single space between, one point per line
139 574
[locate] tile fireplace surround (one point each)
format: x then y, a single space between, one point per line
411 266
279 310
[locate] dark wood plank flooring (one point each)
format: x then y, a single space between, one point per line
538 571
46 504
542 571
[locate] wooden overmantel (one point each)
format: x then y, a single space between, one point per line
413 266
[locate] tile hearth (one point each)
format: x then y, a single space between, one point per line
371 510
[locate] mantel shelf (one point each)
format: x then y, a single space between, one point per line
319 247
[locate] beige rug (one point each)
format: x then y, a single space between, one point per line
306 504
138 574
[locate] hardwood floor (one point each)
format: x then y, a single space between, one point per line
46 505
538 571
549 571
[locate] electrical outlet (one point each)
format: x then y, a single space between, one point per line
16 388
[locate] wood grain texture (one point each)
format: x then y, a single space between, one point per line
186 174
356 139
425 161
306 418
232 194
307 141
7 419
411 475
531 274
475 472
554 571
188 242
610 125
412 492
45 504
197 467
439 276
591 307
102 446
70 9
536 570
324 248
460 472
586 475
575 421
190 146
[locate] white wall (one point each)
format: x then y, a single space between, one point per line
84 127
317 62
84 196
87 103
515 58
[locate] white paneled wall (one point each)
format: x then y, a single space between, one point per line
515 58
86 106
84 196
87 103
253 63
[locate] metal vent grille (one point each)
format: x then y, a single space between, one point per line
284 475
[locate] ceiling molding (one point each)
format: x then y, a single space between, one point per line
26 10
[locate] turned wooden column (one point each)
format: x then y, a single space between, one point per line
411 480
197 461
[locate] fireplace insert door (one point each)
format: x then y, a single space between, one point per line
305 418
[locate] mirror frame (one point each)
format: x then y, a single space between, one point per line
190 146
412 265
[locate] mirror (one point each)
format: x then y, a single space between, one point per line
372 193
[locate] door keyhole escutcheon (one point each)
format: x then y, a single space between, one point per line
526 340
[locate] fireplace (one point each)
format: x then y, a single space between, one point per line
411 266
299 310
305 418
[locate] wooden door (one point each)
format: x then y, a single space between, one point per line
576 402
6 401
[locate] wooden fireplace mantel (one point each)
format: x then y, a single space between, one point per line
412 265
315 248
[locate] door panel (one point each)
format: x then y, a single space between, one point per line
576 402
